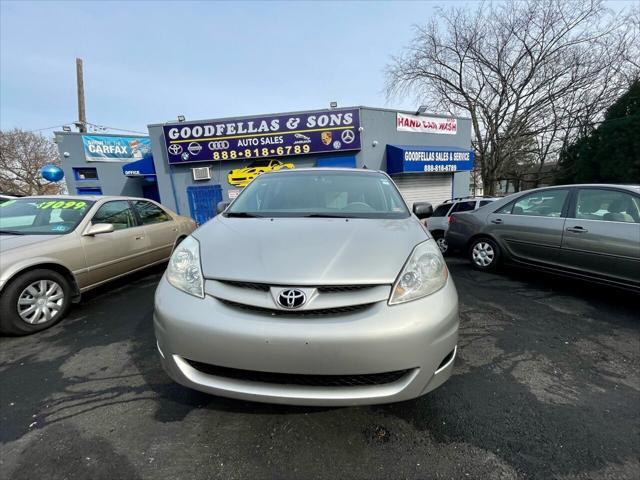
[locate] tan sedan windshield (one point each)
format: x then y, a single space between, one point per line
42 216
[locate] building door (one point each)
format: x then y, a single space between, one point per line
432 188
203 201
342 161
150 190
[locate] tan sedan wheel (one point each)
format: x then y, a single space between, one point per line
33 301
40 302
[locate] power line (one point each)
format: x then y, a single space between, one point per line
47 128
102 127
116 129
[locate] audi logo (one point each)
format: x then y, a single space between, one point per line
291 298
219 145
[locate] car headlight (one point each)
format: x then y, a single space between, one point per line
184 271
424 273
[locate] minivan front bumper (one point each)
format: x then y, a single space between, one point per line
380 354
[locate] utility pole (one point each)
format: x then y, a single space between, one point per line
82 118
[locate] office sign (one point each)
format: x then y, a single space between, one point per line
425 124
410 158
263 137
115 149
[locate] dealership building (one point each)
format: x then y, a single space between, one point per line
191 165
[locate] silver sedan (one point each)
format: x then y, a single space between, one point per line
314 287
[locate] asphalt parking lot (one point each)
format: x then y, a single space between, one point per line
547 385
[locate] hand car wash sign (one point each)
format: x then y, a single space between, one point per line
261 137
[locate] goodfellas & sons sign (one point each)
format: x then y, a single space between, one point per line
266 136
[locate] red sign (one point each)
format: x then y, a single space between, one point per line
423 124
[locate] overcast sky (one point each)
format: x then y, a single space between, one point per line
148 61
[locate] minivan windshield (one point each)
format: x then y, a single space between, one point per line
345 194
42 215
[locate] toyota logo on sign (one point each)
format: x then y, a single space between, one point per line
175 149
291 298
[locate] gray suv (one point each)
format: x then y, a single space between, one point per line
591 231
314 287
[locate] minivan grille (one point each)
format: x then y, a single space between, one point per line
253 286
343 288
300 379
297 313
321 288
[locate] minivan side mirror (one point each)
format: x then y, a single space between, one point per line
422 210
222 206
98 229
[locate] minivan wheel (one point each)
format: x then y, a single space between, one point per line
484 254
34 301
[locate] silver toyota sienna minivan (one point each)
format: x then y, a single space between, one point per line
314 287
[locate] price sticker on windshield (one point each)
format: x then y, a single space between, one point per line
70 204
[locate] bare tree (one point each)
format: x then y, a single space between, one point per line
530 74
22 155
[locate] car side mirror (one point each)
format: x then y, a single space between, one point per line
98 229
222 206
422 210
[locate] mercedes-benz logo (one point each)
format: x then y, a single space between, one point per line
348 136
291 298
175 149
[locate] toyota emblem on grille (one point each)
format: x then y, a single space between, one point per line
291 298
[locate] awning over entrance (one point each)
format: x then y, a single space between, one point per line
430 159
140 168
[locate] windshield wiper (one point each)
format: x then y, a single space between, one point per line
327 215
12 232
242 215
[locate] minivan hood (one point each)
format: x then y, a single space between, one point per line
307 251
9 242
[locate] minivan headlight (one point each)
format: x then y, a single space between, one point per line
184 271
424 273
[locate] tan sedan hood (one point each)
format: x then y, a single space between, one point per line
9 241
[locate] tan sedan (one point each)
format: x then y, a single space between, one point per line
54 248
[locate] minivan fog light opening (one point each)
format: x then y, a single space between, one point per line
424 273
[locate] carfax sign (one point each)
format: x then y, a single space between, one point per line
260 137
115 149
418 158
